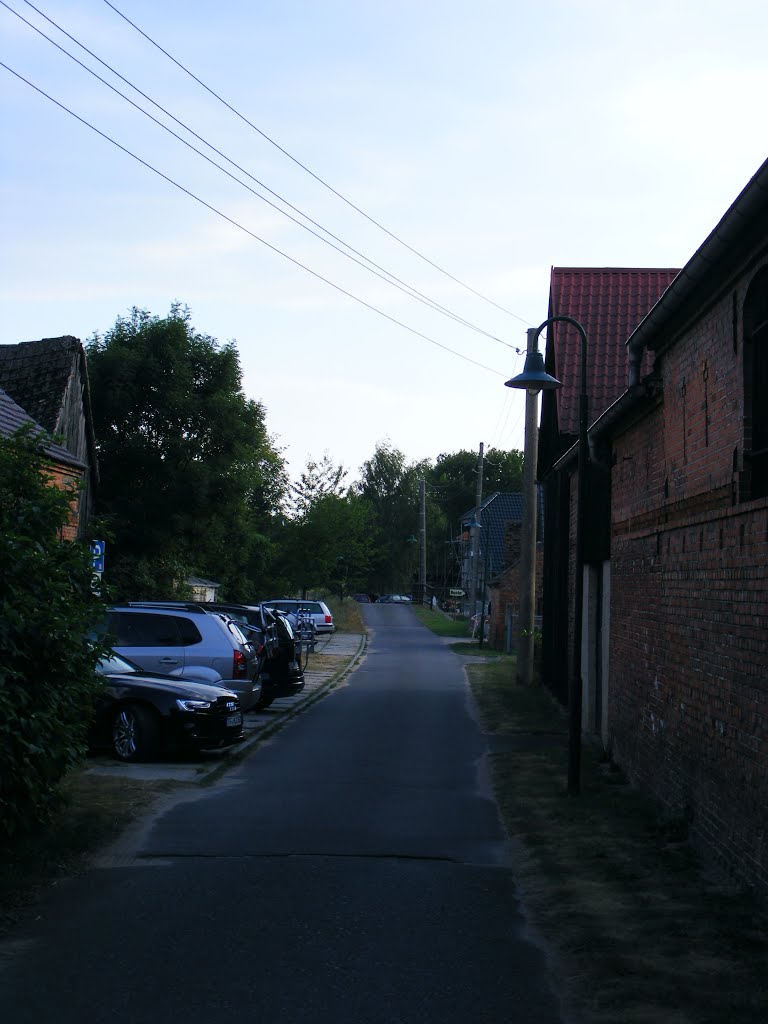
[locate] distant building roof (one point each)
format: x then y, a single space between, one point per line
609 303
13 417
495 512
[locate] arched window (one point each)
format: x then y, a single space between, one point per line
756 384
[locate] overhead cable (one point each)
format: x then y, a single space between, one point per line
247 231
381 272
317 177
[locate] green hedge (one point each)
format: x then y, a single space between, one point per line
47 606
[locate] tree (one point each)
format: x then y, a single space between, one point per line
453 479
47 608
330 546
391 488
317 480
190 479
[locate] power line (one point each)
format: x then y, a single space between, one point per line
247 231
374 268
317 178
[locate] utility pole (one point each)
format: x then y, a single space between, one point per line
475 531
525 624
422 541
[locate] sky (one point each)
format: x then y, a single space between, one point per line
483 144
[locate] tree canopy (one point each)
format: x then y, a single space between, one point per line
192 483
453 479
190 478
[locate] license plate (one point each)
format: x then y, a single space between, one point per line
236 719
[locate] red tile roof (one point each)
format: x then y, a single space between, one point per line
609 303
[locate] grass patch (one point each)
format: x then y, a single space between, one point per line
330 663
94 810
346 614
473 648
440 623
641 932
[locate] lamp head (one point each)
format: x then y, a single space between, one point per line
534 377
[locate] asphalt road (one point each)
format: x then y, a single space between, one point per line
352 870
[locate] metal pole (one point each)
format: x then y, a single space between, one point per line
422 541
528 534
485 586
474 533
575 688
535 377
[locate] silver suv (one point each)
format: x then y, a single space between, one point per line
318 611
176 639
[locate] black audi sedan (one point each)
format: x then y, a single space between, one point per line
140 715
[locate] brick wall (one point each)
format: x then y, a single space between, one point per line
505 591
68 479
688 688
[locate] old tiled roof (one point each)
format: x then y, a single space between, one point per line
609 303
493 515
35 375
13 417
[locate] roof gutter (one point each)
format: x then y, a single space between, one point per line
751 201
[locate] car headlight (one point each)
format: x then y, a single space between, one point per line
193 705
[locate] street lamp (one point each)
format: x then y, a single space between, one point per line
534 379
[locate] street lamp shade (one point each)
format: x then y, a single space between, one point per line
534 377
473 523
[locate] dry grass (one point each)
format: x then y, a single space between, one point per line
346 614
328 663
641 932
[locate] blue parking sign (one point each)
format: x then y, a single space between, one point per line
97 555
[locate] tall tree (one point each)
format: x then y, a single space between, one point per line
330 546
391 487
317 480
453 479
190 478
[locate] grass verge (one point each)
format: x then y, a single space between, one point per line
442 624
641 932
94 810
346 614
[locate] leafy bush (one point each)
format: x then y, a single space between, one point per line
47 606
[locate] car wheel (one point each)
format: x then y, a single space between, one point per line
263 703
135 733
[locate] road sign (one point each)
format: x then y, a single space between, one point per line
455 592
98 548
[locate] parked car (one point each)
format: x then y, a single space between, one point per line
139 714
362 598
393 599
281 659
318 610
183 639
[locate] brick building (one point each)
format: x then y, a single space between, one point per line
674 644
609 302
48 379
505 592
65 470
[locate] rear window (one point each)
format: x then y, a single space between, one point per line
237 633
